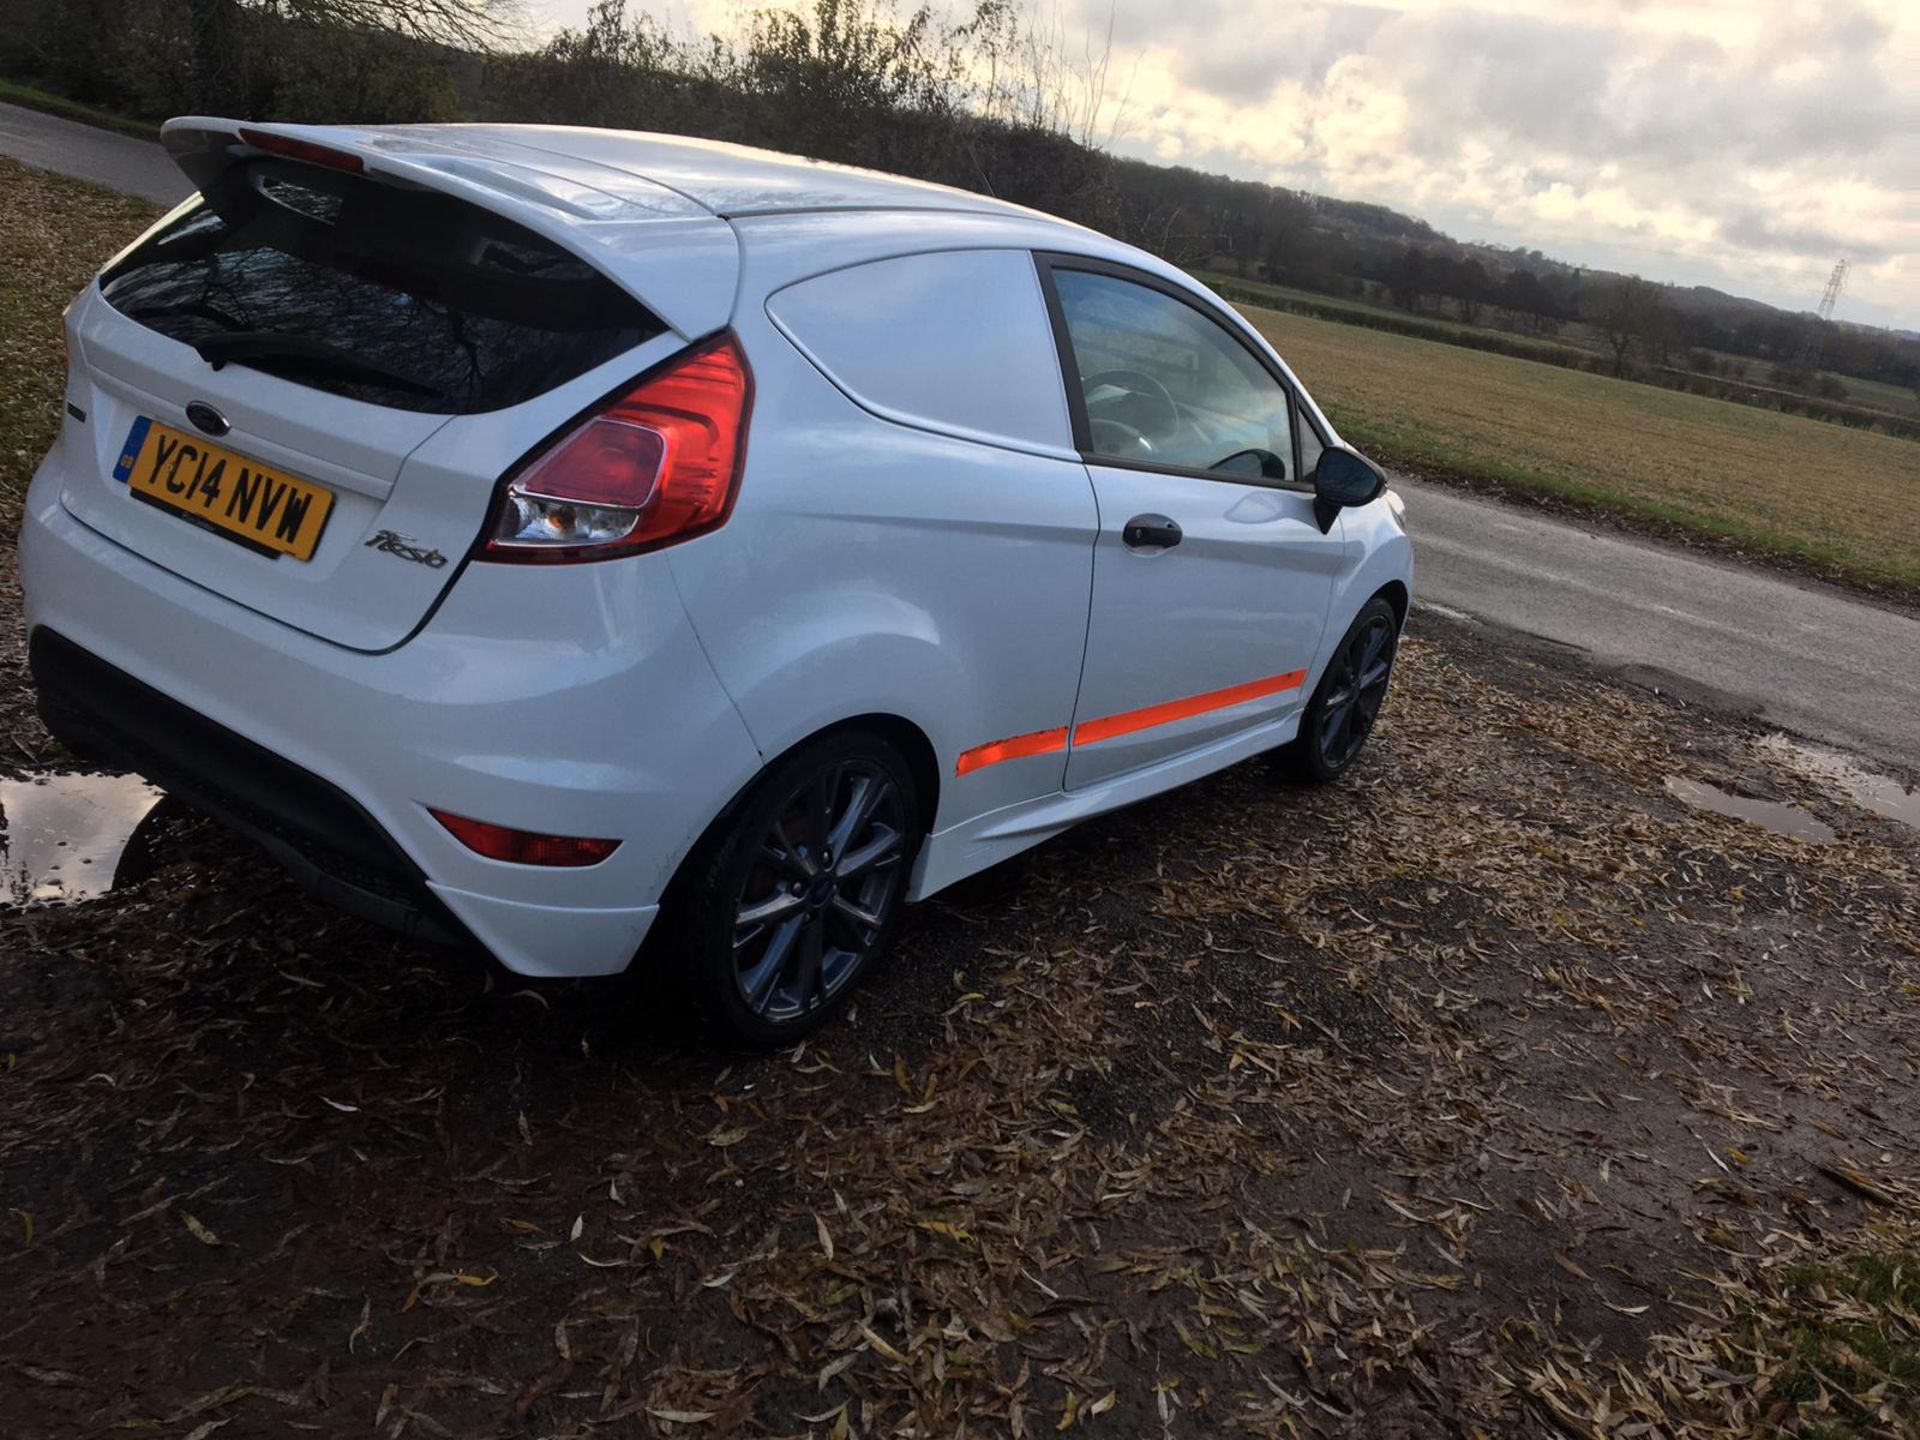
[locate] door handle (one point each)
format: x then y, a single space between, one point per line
1150 532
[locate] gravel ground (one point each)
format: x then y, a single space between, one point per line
1489 1092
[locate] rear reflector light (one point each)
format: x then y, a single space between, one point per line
524 847
305 150
656 466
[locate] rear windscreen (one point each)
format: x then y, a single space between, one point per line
399 296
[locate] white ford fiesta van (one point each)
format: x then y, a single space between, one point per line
536 537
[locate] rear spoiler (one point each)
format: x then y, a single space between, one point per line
676 257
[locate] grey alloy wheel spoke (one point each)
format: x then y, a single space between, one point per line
1372 640
782 853
1335 733
775 907
806 962
821 887
761 982
869 791
818 800
882 849
858 914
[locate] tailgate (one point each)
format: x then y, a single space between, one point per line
301 388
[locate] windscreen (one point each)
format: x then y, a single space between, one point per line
391 294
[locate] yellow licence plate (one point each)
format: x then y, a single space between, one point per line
264 509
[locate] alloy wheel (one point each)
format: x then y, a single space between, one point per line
1355 691
821 887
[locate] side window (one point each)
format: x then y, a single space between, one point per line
956 341
1167 385
1311 448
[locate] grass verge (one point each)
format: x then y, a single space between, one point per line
14 93
1820 499
1851 1327
55 233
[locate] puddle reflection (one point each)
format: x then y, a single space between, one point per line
1788 820
71 837
1881 794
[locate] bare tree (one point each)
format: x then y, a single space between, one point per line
217 27
1024 73
1624 311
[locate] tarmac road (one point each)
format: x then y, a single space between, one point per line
119 162
1806 657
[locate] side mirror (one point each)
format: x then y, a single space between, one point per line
1343 478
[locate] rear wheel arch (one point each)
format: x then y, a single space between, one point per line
692 934
1394 592
922 763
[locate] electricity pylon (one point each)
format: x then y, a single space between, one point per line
1836 282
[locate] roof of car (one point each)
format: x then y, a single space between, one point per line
716 177
640 205
731 180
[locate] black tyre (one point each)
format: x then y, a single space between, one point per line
1347 700
799 892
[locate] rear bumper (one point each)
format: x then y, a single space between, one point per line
566 700
317 832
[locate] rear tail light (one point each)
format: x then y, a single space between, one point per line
656 466
524 847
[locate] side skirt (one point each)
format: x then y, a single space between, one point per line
972 845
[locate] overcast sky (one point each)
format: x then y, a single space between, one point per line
1745 144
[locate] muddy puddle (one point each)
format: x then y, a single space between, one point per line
1840 776
1882 794
71 837
1781 819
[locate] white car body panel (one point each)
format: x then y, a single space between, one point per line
916 541
428 477
971 845
1252 572
482 713
965 612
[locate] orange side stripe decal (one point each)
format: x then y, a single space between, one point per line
1040 742
1107 727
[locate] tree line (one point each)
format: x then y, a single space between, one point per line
989 102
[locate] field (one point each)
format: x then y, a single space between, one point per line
1574 343
1881 395
1823 497
34 98
1294 294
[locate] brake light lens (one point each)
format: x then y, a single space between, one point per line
306 150
524 847
656 466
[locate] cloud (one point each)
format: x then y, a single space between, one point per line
1746 145
1739 143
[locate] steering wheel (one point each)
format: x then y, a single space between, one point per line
1125 416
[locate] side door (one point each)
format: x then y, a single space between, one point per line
1211 578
